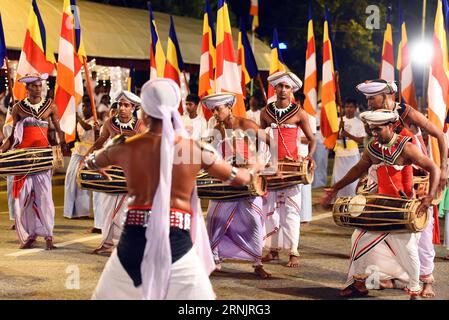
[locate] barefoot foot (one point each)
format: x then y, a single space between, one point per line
103 250
261 272
93 230
13 227
28 244
427 291
49 245
293 262
272 255
356 289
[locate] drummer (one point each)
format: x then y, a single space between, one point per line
112 207
164 250
379 95
33 202
236 227
391 157
283 206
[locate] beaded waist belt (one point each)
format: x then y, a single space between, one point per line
139 217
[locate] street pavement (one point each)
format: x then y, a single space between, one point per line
72 271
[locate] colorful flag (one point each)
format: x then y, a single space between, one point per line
254 13
245 61
276 63
227 78
174 64
387 64
404 66
132 80
329 115
69 81
3 52
37 55
207 61
437 92
157 57
310 77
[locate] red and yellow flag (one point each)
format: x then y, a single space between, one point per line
245 61
387 64
174 64
157 57
37 55
69 81
404 65
207 61
438 88
276 63
254 13
310 77
227 78
329 116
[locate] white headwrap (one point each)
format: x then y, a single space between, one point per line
160 99
129 96
372 88
31 77
379 117
285 77
218 99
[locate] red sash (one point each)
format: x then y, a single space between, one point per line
287 139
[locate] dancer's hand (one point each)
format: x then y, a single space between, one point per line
424 206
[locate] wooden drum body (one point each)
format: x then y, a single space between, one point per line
290 173
28 161
94 181
379 213
215 189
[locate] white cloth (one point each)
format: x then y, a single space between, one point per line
254 115
375 87
341 167
9 184
218 99
196 128
76 200
97 201
385 256
160 99
187 281
282 209
446 230
426 248
285 77
355 127
379 117
113 208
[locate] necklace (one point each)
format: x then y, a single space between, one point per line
281 111
34 107
392 142
126 125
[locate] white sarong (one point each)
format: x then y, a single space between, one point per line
76 200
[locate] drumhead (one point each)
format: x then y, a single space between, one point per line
259 186
356 205
418 224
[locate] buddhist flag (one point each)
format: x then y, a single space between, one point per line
3 52
254 13
404 66
207 61
387 64
174 64
438 88
69 82
276 63
37 55
329 116
227 77
131 80
246 61
310 77
157 57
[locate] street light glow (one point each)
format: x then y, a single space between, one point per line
421 53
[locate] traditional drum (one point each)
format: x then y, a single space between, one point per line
290 173
94 181
215 189
30 161
379 213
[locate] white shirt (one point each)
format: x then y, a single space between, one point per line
355 127
196 127
87 138
254 115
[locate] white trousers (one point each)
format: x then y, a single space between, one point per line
282 208
188 281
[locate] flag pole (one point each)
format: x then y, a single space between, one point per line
252 48
259 79
89 90
186 82
424 78
8 72
339 103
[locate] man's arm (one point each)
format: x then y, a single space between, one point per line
104 135
356 172
263 123
414 155
83 123
10 140
260 134
305 127
426 125
55 119
106 157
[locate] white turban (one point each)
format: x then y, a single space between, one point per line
160 100
372 88
31 77
218 99
285 77
379 117
129 96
